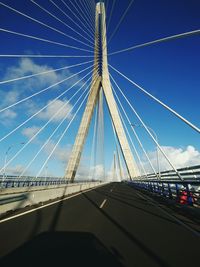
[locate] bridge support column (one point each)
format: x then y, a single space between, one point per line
103 80
82 132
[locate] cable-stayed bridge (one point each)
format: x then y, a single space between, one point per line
90 173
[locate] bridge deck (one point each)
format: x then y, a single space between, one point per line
114 225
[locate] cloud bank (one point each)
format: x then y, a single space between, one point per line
180 157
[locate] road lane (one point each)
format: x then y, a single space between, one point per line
127 230
103 203
153 231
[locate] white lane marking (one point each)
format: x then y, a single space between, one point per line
103 203
44 206
170 215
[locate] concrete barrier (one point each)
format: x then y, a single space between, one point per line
17 198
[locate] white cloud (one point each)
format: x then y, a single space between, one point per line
97 171
15 170
8 97
183 157
61 153
30 131
7 117
8 114
114 175
28 67
180 157
22 88
54 107
82 173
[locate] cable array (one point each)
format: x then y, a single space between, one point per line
75 20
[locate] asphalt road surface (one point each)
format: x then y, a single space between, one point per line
113 225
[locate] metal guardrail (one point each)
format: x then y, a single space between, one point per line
187 193
15 182
191 173
170 186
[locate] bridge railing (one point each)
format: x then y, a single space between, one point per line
171 187
15 182
182 192
187 173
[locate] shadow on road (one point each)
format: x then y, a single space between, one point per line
121 199
65 248
156 258
186 211
52 247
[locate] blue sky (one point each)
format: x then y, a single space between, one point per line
170 71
